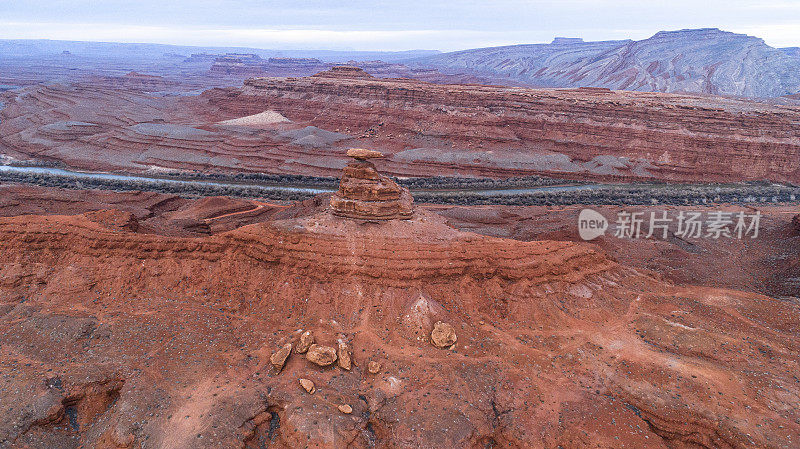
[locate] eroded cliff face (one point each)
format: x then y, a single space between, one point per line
121 338
595 133
305 125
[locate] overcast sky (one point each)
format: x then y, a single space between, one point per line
384 25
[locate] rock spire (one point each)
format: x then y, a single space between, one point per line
366 194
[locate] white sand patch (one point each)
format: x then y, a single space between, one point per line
157 169
261 119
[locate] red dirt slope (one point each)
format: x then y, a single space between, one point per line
115 338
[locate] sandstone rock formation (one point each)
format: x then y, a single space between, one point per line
434 129
278 359
366 194
427 129
321 355
344 71
443 335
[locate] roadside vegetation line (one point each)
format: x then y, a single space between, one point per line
526 191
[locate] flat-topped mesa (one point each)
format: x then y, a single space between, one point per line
368 195
343 71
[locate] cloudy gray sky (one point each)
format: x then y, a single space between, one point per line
385 25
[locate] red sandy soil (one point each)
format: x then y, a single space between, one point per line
121 328
133 124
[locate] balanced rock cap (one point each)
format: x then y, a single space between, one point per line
363 153
366 194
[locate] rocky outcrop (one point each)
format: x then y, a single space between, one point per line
424 129
366 194
762 261
344 71
430 129
133 130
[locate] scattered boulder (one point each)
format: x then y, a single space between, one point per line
374 367
308 386
321 355
346 409
443 335
343 354
306 340
278 359
417 316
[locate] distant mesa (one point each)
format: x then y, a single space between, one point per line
141 76
567 40
253 65
368 195
242 58
293 61
243 64
344 71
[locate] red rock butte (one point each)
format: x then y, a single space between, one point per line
366 194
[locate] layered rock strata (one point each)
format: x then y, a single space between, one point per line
558 345
431 129
366 194
426 129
